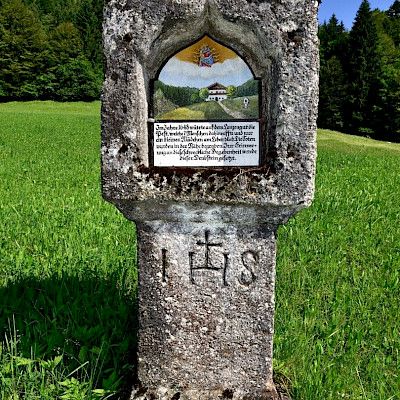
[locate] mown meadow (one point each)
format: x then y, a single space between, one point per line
201 111
67 259
68 268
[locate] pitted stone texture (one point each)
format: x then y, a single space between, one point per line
199 212
279 41
206 296
206 316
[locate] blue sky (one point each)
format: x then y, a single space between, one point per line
346 10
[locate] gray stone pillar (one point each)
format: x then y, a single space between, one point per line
208 193
206 296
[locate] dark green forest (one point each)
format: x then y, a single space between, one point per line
181 96
51 49
360 74
249 88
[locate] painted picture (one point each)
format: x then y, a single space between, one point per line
206 81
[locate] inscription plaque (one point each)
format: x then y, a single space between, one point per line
206 109
198 144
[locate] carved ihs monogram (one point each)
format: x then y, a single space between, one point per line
204 259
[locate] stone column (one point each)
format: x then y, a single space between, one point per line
207 228
206 295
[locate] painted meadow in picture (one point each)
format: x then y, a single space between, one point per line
206 81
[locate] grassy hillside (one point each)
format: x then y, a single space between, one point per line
201 111
68 275
252 111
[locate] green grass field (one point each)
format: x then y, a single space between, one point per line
67 259
338 289
68 274
201 112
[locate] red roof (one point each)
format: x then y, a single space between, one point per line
216 86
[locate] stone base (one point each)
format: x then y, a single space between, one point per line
172 394
206 310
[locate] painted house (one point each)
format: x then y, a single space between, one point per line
216 92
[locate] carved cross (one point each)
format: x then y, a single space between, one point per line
207 245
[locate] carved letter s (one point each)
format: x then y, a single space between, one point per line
249 260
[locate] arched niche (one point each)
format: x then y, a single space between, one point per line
255 49
206 80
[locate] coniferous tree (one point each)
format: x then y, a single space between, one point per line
364 71
332 95
388 107
392 24
394 10
89 20
333 46
333 39
51 49
375 73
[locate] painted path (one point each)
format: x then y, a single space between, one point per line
233 114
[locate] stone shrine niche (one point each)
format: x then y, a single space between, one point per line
205 109
142 43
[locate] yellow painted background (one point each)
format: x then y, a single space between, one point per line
220 52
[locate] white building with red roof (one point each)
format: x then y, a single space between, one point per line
216 92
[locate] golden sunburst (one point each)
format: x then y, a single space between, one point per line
219 52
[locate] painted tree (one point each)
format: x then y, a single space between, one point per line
203 93
231 91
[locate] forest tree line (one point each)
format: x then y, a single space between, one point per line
51 49
360 74
184 96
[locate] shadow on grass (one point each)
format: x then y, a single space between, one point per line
88 320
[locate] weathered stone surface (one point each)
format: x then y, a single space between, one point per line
277 38
207 324
207 333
